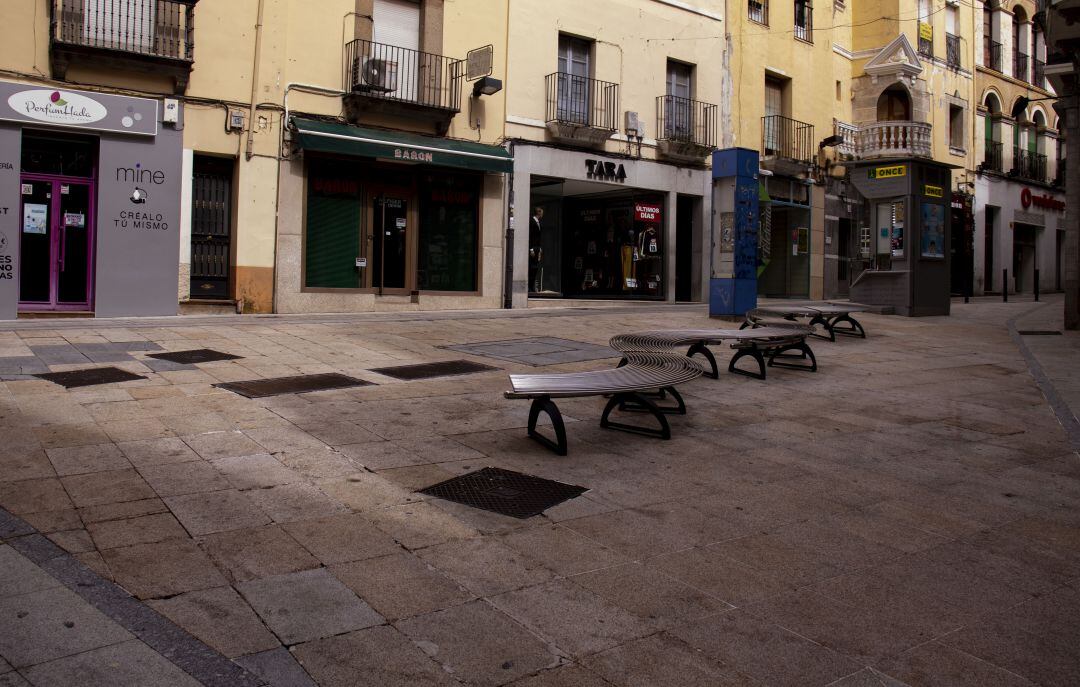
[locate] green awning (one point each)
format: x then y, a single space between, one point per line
342 139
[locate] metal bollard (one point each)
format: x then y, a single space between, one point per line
1004 286
1036 286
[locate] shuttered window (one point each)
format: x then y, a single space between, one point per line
397 22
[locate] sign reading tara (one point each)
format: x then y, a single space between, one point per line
608 171
1027 199
887 172
647 213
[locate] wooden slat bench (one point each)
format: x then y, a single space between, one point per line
834 318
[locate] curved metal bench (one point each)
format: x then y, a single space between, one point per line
775 341
627 385
828 315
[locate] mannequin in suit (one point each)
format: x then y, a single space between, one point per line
536 252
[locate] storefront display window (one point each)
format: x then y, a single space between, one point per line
447 259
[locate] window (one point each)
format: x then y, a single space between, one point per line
678 107
772 135
956 127
804 20
952 39
449 227
758 10
573 80
926 30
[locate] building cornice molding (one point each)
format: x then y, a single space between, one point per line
685 6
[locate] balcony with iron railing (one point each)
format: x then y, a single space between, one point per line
156 36
893 139
1029 165
992 55
1038 73
387 79
994 159
1020 67
787 145
952 51
685 129
926 47
581 109
758 11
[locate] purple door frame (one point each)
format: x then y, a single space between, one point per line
56 242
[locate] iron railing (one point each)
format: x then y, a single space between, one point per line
683 120
804 20
1039 72
926 46
1029 165
952 51
994 160
992 54
758 10
1020 67
156 28
387 72
786 138
896 138
580 101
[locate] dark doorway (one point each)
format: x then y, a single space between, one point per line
990 218
684 249
843 256
961 249
1025 257
211 226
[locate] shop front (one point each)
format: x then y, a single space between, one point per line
785 239
89 203
589 226
372 218
1018 229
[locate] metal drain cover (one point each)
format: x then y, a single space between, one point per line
199 355
445 368
504 491
1038 332
300 384
90 377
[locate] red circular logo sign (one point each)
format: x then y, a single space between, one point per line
1025 198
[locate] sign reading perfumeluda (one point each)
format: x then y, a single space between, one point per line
57 107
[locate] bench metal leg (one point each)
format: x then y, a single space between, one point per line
708 355
635 399
824 322
853 328
804 354
754 352
544 404
678 409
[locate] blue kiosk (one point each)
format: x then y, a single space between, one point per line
736 217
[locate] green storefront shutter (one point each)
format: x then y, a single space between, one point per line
333 243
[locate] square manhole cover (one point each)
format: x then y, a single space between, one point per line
504 491
536 351
199 355
90 377
300 384
443 368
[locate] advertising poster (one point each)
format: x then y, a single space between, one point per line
35 218
933 231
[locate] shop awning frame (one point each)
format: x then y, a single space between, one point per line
344 139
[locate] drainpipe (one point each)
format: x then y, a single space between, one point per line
248 153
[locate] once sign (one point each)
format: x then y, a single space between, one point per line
887 172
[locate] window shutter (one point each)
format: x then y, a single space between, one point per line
397 22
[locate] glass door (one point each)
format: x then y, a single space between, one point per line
389 239
56 244
74 224
574 96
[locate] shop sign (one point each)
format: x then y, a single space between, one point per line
887 172
926 31
78 109
647 213
57 107
608 171
413 155
1027 199
933 191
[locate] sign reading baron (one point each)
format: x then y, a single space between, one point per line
97 111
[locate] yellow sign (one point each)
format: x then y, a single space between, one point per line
926 32
888 172
934 191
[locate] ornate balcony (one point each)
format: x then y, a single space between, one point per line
1020 67
992 54
401 82
685 129
581 109
994 161
1029 165
154 36
893 139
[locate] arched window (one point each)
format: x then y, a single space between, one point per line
894 105
1038 56
993 158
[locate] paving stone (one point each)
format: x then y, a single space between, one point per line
157 451
217 511
561 549
342 538
82 459
136 430
485 566
146 529
726 579
63 354
129 663
20 576
220 618
162 569
24 464
54 521
277 667
67 435
177 479
564 676
122 511
307 605
34 496
251 554
934 664
113 486
13 679
48 624
255 472
297 501
364 491
400 585
574 619
660 659
73 541
479 644
375 656
416 525
223 445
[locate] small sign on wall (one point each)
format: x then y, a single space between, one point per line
35 218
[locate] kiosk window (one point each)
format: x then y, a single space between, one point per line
890 228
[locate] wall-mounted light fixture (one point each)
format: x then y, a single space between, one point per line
487 85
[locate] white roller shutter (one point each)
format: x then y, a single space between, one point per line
397 22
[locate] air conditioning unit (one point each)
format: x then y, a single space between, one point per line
374 74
